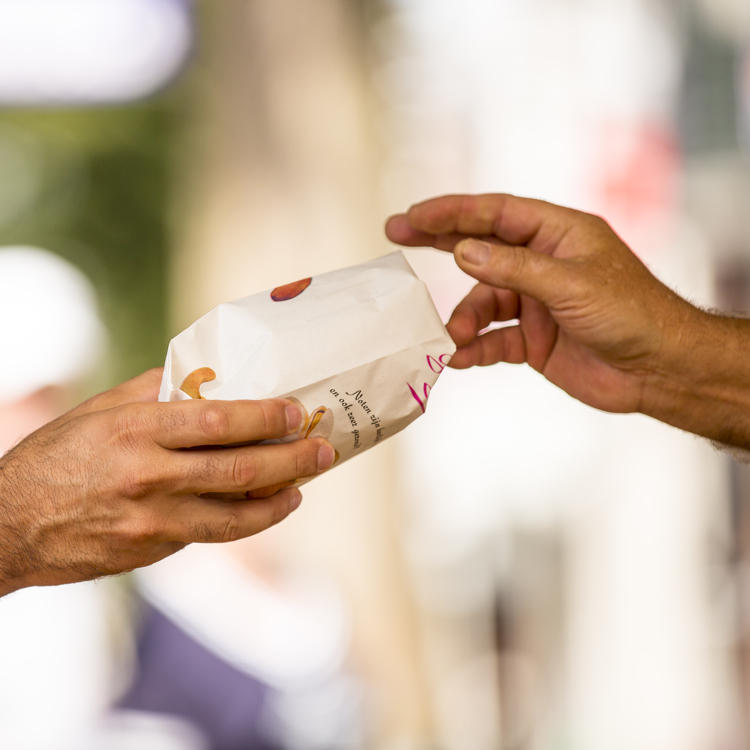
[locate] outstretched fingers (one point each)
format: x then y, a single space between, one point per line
399 229
517 221
501 240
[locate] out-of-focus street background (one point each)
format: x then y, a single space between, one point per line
515 571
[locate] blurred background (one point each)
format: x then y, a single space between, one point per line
515 571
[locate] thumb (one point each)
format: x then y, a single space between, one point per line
513 267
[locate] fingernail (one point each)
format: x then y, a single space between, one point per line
295 500
475 252
326 456
293 418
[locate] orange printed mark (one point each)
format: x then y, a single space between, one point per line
321 424
315 421
290 291
193 382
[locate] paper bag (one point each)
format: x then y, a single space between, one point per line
358 349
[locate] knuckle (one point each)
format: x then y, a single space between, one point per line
213 421
515 262
98 402
579 283
232 529
128 426
306 457
136 483
143 529
301 456
244 470
599 224
312 457
268 412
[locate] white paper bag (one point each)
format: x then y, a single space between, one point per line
359 349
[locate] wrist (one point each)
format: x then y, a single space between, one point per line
702 383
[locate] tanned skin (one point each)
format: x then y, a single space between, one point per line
589 315
121 482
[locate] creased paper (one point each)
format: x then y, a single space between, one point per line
358 349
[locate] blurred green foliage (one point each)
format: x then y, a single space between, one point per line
93 185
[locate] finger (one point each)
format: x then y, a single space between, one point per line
482 306
144 387
399 230
517 268
261 492
497 345
268 491
247 469
540 332
215 521
230 497
185 424
517 221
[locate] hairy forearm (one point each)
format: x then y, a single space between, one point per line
13 562
704 385
7 584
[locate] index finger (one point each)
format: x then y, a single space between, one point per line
518 221
188 424
399 229
483 305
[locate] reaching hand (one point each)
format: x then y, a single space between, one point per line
590 316
111 485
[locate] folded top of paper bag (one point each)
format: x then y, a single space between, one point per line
359 349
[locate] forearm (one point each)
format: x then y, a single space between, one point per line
7 586
704 386
13 562
8 582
